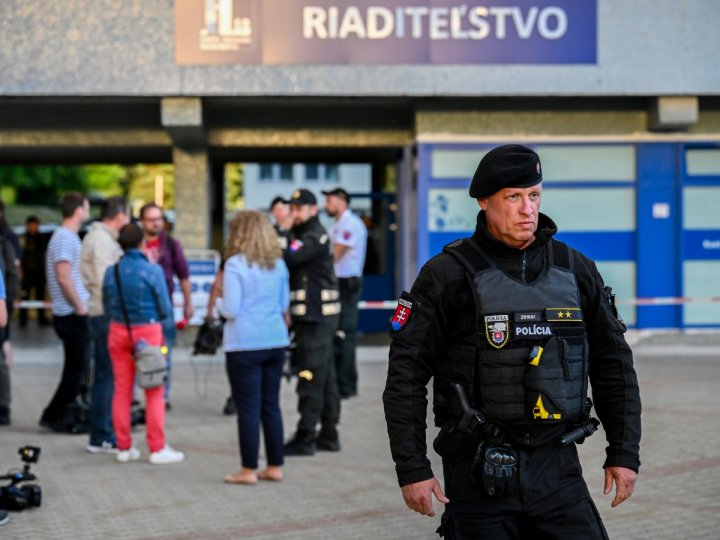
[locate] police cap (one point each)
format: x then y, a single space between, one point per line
338 192
302 196
508 166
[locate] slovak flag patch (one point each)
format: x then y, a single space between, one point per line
295 245
402 314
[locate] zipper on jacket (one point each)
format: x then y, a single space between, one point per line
523 266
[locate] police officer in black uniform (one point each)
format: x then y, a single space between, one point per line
314 308
280 211
511 324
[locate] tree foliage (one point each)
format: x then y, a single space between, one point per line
43 184
234 185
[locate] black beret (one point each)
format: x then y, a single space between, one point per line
508 166
302 196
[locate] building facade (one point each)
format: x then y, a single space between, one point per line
620 98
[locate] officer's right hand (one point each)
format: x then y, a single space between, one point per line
418 496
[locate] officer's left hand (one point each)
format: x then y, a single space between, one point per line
418 496
188 311
624 483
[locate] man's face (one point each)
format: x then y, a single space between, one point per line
334 205
123 219
512 214
302 212
280 212
32 227
85 211
152 222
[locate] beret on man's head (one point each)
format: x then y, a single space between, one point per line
508 166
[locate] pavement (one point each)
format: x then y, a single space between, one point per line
352 494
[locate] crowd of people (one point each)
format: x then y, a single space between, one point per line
511 325
111 292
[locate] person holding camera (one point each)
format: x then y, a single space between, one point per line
136 299
161 248
511 324
256 297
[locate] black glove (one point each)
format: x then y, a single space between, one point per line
497 464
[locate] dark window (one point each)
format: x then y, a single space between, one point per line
286 171
311 171
332 172
266 171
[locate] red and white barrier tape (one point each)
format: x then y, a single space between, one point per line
392 304
669 300
648 301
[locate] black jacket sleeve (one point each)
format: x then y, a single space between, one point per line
615 390
309 245
414 351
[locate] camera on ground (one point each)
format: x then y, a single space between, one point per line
20 494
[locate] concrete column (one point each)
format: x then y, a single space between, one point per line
193 197
183 120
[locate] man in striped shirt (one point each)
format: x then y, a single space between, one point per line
69 308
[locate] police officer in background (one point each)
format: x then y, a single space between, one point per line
283 221
349 241
511 323
314 309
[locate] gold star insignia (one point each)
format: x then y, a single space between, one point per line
568 314
560 314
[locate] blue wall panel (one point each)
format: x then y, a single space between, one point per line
658 251
658 246
602 246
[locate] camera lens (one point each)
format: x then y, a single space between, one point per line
33 494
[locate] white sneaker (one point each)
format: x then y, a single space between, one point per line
166 456
124 456
105 448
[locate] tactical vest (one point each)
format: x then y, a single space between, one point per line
531 364
314 291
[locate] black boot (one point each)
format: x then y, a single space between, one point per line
302 444
229 408
328 440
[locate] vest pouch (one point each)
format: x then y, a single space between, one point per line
454 445
545 386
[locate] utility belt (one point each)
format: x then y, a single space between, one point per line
474 438
351 284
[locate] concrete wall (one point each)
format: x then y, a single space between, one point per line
126 47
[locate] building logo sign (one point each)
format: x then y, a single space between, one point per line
223 29
385 32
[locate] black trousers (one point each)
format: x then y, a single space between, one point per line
33 282
551 501
345 345
318 398
5 393
73 332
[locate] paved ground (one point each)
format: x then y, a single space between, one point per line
352 494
